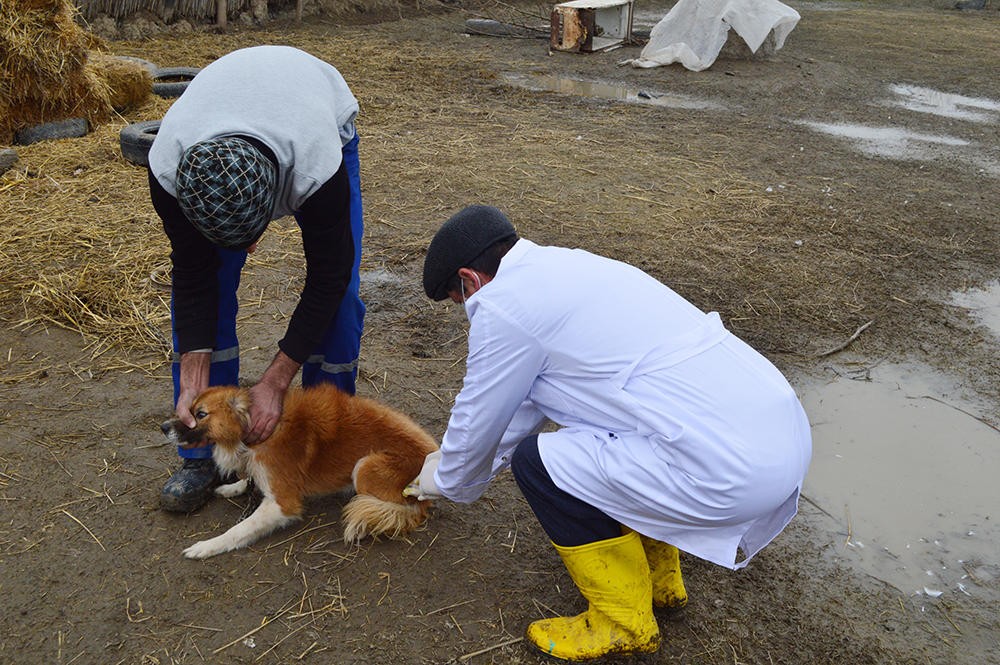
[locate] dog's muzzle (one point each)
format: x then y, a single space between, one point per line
180 434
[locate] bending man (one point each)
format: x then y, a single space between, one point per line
260 133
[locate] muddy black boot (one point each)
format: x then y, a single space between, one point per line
191 486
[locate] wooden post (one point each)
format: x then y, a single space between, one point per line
220 13
298 10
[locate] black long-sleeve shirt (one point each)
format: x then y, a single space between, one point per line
328 243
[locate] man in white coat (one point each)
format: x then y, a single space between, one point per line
674 434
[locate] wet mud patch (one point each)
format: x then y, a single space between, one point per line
795 236
906 467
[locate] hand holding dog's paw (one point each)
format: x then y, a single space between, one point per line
423 486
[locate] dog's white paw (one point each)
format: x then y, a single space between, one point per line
204 549
233 489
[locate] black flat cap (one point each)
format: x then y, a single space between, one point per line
460 241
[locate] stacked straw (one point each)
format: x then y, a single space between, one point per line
49 74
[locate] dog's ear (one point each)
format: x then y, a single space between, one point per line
240 404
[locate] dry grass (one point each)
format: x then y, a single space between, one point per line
81 213
440 129
75 214
129 84
44 54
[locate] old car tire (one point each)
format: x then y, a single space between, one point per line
172 81
136 139
59 129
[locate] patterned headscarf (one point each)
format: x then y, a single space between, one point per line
226 188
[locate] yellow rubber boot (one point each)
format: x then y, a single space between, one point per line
665 574
614 578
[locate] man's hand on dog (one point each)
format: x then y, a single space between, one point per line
194 371
266 402
267 398
423 486
185 400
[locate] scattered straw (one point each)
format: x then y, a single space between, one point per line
426 550
267 621
83 220
447 607
197 627
297 534
278 643
469 656
85 528
23 376
134 618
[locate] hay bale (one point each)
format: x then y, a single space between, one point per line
44 57
128 81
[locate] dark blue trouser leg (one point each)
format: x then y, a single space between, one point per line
568 521
336 359
225 367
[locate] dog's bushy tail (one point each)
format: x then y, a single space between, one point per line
366 515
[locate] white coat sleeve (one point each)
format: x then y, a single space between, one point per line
527 420
503 363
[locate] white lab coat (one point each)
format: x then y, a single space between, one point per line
670 424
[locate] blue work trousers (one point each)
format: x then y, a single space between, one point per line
334 361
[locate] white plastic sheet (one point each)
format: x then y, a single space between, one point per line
694 31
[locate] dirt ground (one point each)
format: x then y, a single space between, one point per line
795 236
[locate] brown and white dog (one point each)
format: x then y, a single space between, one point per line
326 441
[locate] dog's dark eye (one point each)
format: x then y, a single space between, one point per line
200 414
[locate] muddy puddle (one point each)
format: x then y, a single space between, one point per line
945 104
983 304
907 473
897 141
891 141
610 91
887 141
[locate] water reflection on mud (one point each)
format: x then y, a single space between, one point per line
983 304
612 91
907 473
897 141
948 105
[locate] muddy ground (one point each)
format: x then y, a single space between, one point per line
797 237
